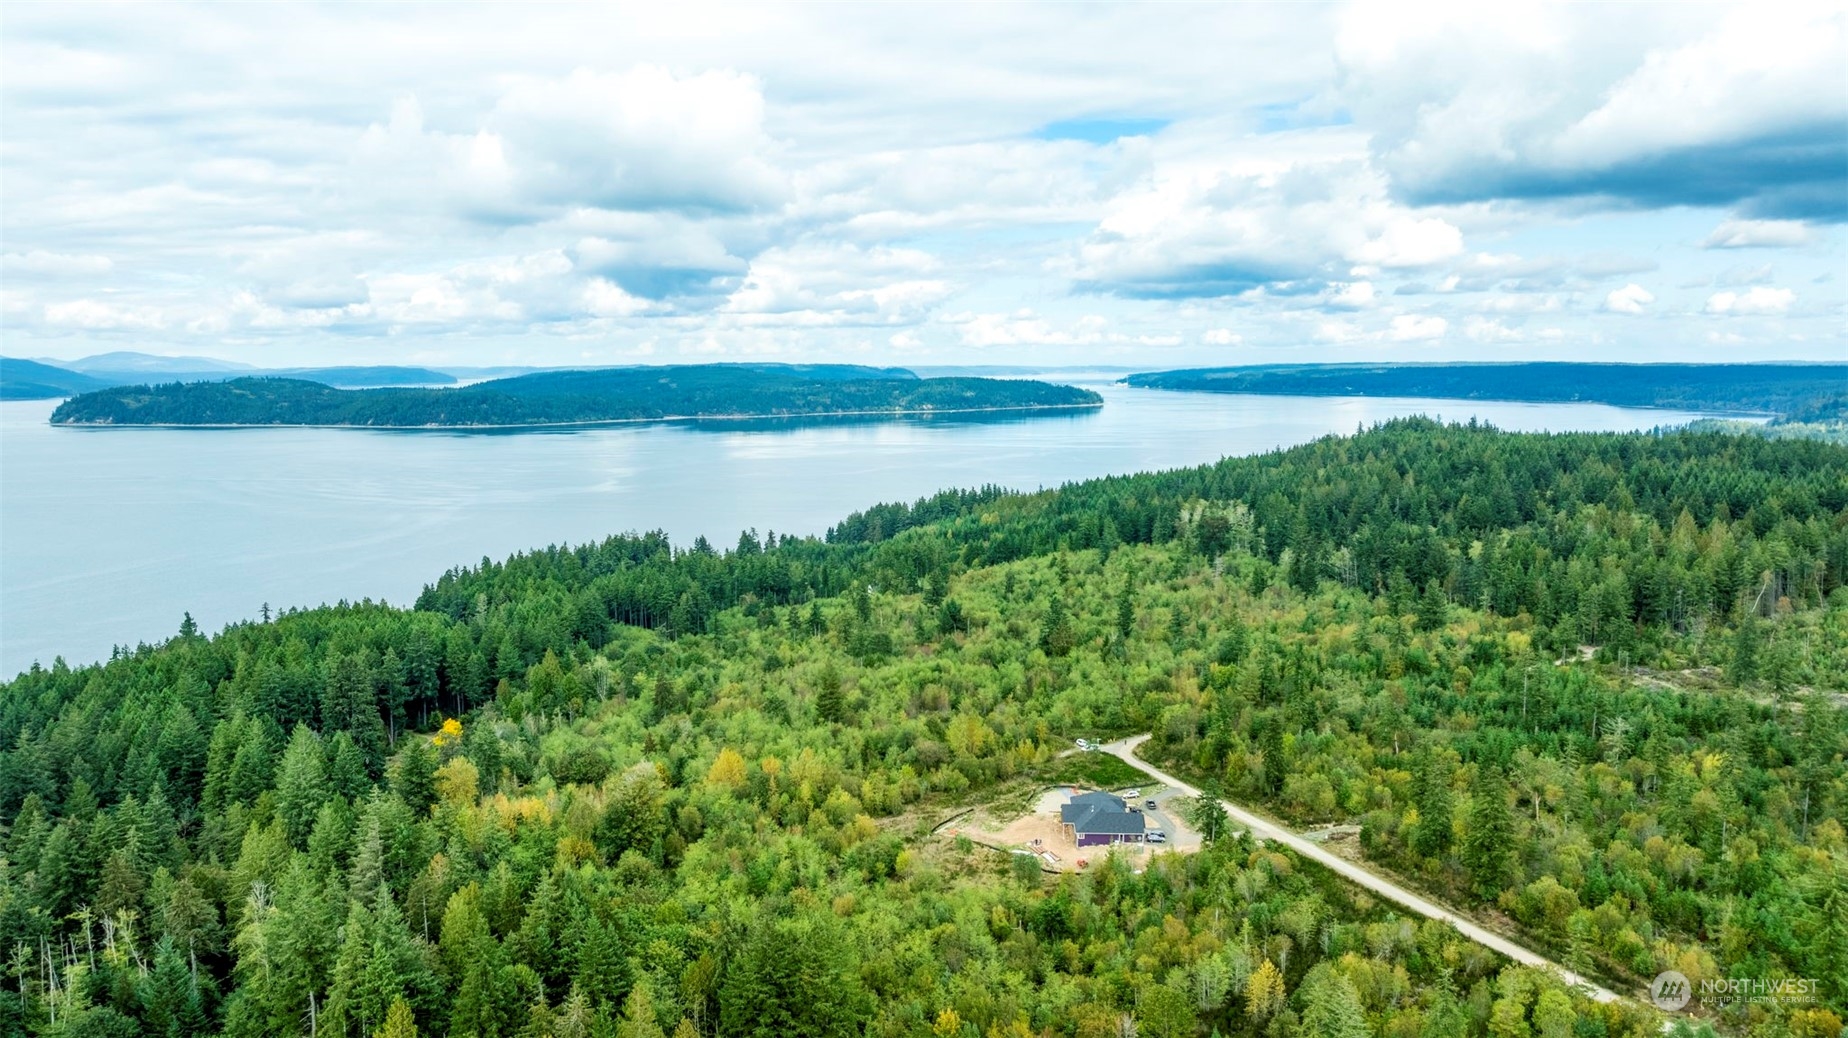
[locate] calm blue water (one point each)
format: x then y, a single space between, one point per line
108 535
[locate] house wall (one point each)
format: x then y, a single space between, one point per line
1098 839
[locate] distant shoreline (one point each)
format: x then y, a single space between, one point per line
1769 389
590 423
1705 412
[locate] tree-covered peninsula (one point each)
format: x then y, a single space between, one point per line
1754 388
1585 687
569 398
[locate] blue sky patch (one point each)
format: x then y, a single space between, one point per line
1099 131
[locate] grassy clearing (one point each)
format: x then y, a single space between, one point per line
1093 769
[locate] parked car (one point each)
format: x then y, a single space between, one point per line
1157 836
1132 794
1150 804
1084 744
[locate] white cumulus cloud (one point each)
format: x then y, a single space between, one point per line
1490 330
1543 101
841 283
1417 327
604 298
1355 295
1753 301
1630 299
1221 226
1749 234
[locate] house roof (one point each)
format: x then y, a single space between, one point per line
1084 803
1101 813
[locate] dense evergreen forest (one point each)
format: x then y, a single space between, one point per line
1759 388
1586 686
566 397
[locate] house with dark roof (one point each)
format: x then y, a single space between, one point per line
1101 818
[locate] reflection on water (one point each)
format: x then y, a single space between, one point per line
108 535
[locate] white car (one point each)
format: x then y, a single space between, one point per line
1132 794
1157 836
1084 744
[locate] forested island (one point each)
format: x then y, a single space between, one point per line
569 398
1750 388
1585 686
1825 419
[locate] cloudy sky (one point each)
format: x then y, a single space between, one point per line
1152 185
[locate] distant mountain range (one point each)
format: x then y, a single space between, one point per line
31 380
148 363
22 379
45 379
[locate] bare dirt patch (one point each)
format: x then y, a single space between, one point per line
1342 840
1039 830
